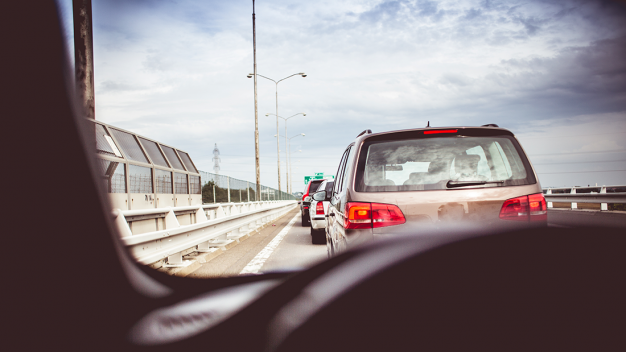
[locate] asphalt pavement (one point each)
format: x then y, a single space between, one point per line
576 218
268 250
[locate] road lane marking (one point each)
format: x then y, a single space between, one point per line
257 262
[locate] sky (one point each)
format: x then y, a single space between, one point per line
552 72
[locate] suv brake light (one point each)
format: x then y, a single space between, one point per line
372 215
525 208
538 207
440 131
357 216
386 215
319 208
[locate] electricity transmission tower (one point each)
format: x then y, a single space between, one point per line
216 160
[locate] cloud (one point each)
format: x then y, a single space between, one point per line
175 71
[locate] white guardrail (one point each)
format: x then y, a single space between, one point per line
575 195
215 225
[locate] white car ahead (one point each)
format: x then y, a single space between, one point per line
317 212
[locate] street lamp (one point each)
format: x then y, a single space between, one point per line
289 159
286 149
250 75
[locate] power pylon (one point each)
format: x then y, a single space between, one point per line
216 160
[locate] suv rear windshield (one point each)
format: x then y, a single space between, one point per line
452 162
314 186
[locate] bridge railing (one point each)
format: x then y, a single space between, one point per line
188 229
220 188
609 197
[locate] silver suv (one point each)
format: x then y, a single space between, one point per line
400 182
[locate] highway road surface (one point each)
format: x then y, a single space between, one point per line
283 245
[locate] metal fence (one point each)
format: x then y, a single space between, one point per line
598 197
224 189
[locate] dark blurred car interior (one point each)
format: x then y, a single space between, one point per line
77 289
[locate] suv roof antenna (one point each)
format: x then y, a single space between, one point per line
428 125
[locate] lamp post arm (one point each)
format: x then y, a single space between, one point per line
267 78
293 116
300 113
295 74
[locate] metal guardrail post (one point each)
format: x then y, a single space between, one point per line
603 206
549 192
174 259
574 205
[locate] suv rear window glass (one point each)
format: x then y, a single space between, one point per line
453 162
315 184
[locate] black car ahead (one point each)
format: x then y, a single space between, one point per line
311 187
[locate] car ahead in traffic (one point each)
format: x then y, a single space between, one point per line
317 212
311 187
402 181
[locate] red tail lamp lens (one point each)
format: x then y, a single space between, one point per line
525 208
515 209
319 208
440 131
372 215
358 216
538 207
386 215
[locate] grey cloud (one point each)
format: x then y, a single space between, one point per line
113 86
455 80
158 62
472 14
596 71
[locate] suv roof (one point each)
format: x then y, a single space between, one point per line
485 130
489 125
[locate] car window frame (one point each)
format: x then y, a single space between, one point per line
339 172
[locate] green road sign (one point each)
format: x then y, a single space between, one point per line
318 176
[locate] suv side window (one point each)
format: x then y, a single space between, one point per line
342 183
340 173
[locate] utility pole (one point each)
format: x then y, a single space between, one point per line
256 111
83 56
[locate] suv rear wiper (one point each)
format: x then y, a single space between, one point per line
453 184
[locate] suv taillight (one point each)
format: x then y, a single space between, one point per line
525 208
319 208
538 207
386 215
371 215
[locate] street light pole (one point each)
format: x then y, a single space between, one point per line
301 134
256 113
277 139
276 82
287 159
